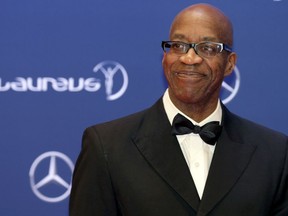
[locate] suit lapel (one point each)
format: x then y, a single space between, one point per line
230 159
162 151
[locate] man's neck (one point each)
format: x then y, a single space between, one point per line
199 110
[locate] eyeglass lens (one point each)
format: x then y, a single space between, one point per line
204 49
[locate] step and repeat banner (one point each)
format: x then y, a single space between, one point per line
68 64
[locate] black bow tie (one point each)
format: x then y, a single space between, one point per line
209 132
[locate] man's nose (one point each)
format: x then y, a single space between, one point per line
191 57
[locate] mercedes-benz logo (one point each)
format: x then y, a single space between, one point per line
230 86
109 69
45 179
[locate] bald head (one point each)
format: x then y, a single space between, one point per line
207 16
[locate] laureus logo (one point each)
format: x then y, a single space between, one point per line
115 82
109 70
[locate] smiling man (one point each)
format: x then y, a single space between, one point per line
187 154
195 75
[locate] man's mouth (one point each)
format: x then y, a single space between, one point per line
189 74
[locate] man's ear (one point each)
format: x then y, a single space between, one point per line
232 59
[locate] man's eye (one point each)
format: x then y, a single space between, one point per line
208 48
177 46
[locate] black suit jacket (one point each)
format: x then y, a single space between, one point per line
134 167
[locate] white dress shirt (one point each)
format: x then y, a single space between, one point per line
197 153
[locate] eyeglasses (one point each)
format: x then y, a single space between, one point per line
204 49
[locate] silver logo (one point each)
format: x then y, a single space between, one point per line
109 69
46 183
115 84
230 86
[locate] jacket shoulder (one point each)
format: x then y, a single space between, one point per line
242 128
130 123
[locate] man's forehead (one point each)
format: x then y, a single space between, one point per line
194 38
195 34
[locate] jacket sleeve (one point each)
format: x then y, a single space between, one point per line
280 207
92 191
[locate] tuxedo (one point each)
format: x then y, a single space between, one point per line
134 166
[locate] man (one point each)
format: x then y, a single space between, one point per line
140 165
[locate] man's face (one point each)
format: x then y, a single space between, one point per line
191 78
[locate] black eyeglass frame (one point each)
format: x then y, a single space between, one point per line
194 46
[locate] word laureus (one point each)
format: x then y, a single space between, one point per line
43 84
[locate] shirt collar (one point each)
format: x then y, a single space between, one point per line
171 111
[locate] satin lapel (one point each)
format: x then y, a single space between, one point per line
231 157
162 151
